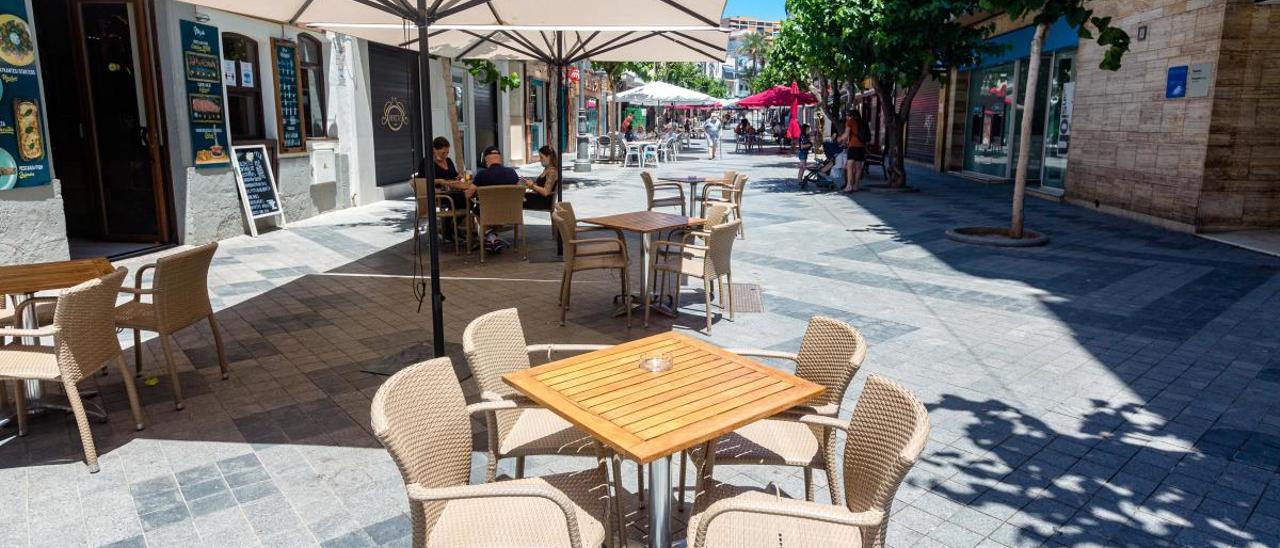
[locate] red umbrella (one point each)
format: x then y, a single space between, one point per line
778 96
793 128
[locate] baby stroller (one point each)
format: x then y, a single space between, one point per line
824 174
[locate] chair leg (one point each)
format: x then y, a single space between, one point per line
82 422
480 230
137 353
173 371
729 293
706 294
808 484
217 343
524 244
4 391
134 405
20 403
640 484
684 460
519 467
566 282
626 296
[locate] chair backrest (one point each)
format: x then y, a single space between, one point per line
501 205
730 176
647 177
420 416
831 353
886 435
494 346
717 260
419 186
182 287
716 214
86 330
565 222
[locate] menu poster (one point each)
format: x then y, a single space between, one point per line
203 60
24 161
284 64
258 193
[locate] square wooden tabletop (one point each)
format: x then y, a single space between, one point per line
708 392
30 278
644 221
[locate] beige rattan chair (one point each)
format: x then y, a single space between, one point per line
420 416
583 254
651 188
715 215
445 209
729 196
501 206
179 298
84 340
831 353
44 315
883 441
711 263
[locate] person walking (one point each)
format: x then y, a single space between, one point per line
805 145
855 137
712 126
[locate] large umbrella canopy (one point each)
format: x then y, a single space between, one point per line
778 96
483 12
663 93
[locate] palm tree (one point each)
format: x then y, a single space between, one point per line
756 46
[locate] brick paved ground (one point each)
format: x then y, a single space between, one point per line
1117 387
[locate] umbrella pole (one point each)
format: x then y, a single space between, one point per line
424 121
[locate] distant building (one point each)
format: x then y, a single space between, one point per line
752 24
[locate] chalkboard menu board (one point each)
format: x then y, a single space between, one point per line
257 184
23 159
284 62
202 59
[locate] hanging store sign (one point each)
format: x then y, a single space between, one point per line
284 64
24 161
204 75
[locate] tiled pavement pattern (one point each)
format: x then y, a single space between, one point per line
1117 387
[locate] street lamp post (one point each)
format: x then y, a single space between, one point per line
582 162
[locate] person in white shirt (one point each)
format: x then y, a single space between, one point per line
712 126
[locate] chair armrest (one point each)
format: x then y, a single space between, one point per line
137 276
831 410
811 511
46 331
757 353
419 493
553 349
137 292
502 404
33 301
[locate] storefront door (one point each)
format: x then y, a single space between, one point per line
1062 88
989 139
104 123
537 115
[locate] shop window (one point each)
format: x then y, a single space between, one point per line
313 86
244 87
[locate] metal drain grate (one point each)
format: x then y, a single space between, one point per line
748 299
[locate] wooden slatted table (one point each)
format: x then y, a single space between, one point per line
648 416
646 224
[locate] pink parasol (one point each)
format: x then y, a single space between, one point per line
778 96
793 128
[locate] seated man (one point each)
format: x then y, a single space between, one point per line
494 173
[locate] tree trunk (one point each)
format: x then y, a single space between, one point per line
1024 140
892 134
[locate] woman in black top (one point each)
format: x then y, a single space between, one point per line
447 180
541 192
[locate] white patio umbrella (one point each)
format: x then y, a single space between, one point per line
543 17
664 94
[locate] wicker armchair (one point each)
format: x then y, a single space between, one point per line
582 254
883 441
710 262
84 340
831 353
501 206
730 196
420 415
445 209
650 188
179 298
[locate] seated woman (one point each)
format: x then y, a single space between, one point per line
541 192
448 180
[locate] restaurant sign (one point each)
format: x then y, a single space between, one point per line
24 159
284 62
258 192
202 59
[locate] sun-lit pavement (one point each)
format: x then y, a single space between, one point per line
1116 387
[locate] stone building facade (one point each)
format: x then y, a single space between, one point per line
1204 159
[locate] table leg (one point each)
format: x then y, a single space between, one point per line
693 199
660 502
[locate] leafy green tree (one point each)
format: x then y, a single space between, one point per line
755 46
1043 14
810 41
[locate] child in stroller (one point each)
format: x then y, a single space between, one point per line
822 173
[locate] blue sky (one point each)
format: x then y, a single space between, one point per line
764 9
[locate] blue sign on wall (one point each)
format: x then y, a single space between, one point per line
202 59
24 158
1176 86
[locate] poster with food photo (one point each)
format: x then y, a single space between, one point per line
200 49
24 161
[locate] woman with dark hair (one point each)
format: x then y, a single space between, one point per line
541 192
447 180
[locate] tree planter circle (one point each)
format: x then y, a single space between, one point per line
884 187
996 237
